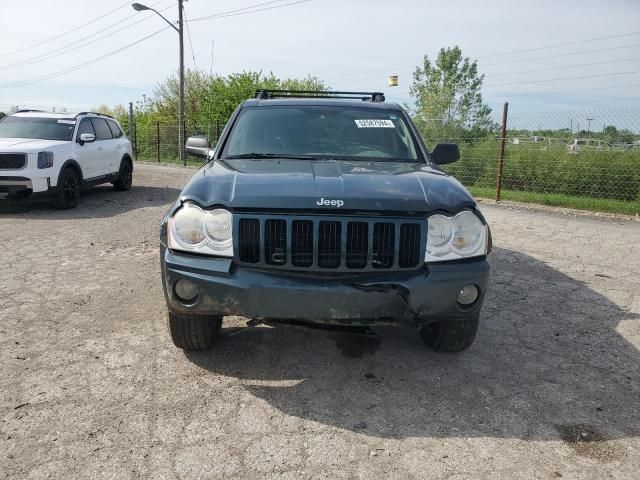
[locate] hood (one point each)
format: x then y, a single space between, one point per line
27 144
326 185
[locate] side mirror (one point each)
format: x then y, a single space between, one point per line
445 153
198 147
86 138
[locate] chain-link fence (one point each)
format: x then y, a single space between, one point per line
158 141
577 159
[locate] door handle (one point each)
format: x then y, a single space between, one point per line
100 149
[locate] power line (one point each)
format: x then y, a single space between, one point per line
566 67
186 22
114 52
233 13
80 65
50 39
73 46
405 67
563 78
518 72
577 42
609 87
563 55
237 10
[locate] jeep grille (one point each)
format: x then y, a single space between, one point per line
323 243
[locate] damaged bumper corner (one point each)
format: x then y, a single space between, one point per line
416 297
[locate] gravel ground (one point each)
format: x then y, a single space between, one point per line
91 386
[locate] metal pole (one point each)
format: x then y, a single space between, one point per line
131 120
158 140
503 138
181 157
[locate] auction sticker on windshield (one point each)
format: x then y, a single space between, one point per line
374 124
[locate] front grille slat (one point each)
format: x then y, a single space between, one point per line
12 161
383 245
275 242
302 243
328 243
409 250
249 246
357 244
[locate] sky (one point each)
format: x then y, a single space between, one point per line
567 59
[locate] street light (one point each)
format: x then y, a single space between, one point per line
138 7
589 125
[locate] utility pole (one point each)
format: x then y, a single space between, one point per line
138 7
181 101
589 125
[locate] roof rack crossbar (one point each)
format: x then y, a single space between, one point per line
377 97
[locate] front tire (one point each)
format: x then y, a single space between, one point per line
194 332
450 336
125 177
69 186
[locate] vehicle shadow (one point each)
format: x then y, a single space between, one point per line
97 202
548 363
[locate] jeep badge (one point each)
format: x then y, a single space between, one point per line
325 202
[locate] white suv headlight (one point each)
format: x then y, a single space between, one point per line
192 229
452 238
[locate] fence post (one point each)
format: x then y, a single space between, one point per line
130 119
503 139
184 138
132 130
158 140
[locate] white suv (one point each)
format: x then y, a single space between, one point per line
61 153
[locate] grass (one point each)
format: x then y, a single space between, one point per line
561 200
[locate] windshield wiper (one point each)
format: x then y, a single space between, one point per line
269 156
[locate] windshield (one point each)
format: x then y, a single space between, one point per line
38 128
345 133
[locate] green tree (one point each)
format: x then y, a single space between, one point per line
448 98
610 133
209 102
2 115
212 99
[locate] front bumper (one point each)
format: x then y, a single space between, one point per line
416 297
22 184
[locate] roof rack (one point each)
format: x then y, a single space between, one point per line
93 113
377 97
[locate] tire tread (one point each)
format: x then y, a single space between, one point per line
193 332
451 336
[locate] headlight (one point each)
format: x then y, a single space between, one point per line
451 238
45 159
192 229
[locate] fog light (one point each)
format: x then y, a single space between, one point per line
186 290
468 295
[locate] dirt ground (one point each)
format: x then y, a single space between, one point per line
92 387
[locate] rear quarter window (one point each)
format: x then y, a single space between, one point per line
103 132
115 129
